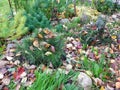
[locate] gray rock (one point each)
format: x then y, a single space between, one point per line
64 21
84 81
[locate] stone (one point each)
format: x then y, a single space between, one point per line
68 67
84 81
64 21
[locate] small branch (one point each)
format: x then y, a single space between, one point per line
10 7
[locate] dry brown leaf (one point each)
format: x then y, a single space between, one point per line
6 81
118 79
36 43
98 81
40 36
18 54
46 31
12 50
113 37
84 32
47 45
44 68
117 84
119 47
111 51
31 48
102 88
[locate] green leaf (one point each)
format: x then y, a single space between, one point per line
96 69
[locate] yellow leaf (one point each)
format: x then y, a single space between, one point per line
47 45
102 88
119 47
113 36
40 36
36 43
48 53
46 31
102 1
117 85
111 51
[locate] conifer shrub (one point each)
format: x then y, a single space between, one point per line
106 6
36 19
42 47
13 28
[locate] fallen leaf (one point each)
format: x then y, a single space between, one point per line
18 87
48 53
94 27
18 54
43 67
3 63
102 88
89 73
52 48
1 76
12 50
84 32
113 37
98 81
118 79
111 51
9 58
32 67
31 48
40 36
5 88
24 80
18 73
108 87
6 81
119 47
23 74
17 62
68 67
36 43
47 45
117 84
46 31
69 46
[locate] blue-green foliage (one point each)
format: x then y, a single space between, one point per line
107 6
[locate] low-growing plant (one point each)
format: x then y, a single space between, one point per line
42 47
13 28
106 6
36 19
99 68
54 81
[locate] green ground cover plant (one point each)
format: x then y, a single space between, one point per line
46 48
53 81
